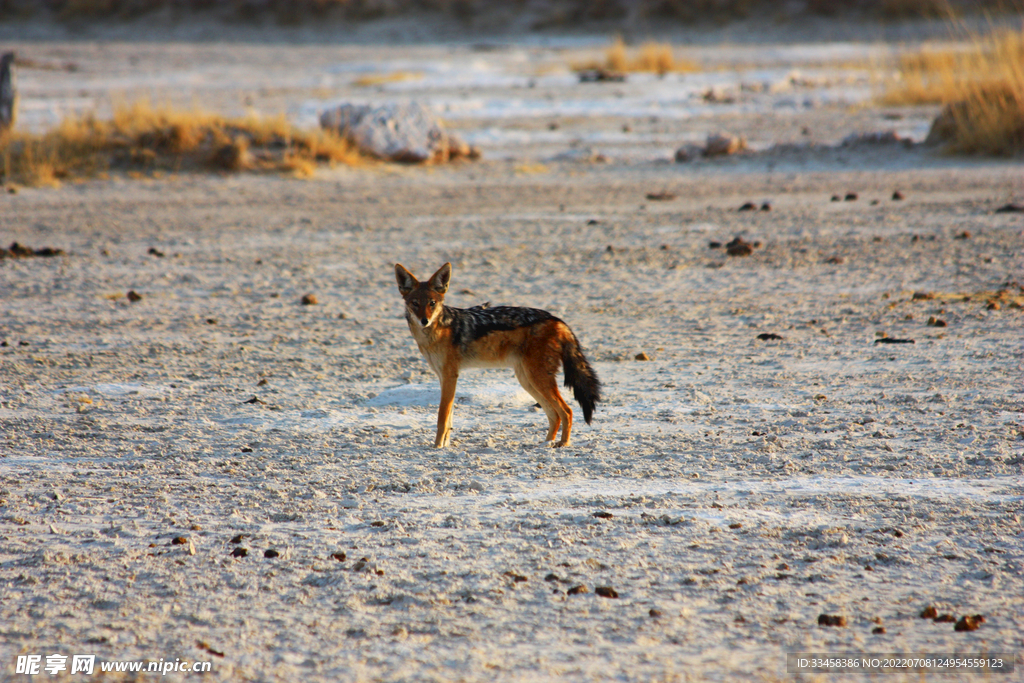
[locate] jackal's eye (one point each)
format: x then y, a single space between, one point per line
430 304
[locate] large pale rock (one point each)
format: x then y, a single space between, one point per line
397 132
722 144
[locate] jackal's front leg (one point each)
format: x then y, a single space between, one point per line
444 411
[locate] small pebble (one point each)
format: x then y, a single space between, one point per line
240 552
831 620
851 196
577 590
897 196
309 300
642 356
969 623
271 553
606 592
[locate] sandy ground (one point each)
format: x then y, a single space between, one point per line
750 485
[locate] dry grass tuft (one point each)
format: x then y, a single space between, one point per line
140 139
982 86
651 57
380 79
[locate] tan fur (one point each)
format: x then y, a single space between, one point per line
534 353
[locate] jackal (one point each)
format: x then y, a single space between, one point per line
530 341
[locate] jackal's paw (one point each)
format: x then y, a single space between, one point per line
562 443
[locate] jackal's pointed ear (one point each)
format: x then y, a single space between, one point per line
439 280
406 281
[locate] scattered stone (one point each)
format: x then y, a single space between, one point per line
740 247
831 620
936 322
238 539
642 356
601 76
407 133
969 623
661 196
929 612
893 340
836 198
993 306
897 196
593 221
179 540
688 153
878 630
714 245
240 552
309 300
736 525
153 251
965 235
1013 207
134 296
577 590
255 400
516 578
271 553
723 144
202 645
835 260
211 321
851 197
608 592
923 296
552 577
18 251
339 556
603 515
944 619
767 206
749 206
655 613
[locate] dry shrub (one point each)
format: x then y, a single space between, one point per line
982 86
141 138
651 57
943 75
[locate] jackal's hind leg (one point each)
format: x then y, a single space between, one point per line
559 413
553 418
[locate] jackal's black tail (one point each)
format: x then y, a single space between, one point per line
579 376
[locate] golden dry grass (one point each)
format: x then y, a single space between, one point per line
982 87
380 79
651 57
142 139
